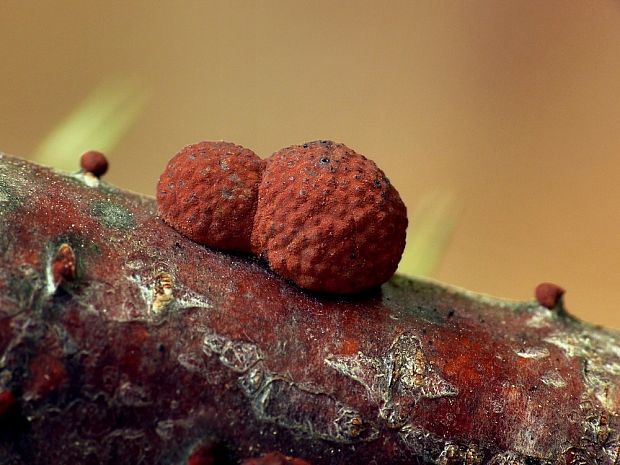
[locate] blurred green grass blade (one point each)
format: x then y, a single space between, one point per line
432 225
99 122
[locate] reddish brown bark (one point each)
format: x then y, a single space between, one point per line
157 350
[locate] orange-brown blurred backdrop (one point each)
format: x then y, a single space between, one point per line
512 105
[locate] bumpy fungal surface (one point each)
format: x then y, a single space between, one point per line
208 193
329 219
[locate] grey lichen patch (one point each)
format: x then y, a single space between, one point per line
14 189
554 379
304 409
161 293
434 449
26 287
367 371
508 458
456 454
533 352
112 215
396 380
541 318
9 201
425 444
192 362
239 356
600 440
529 433
600 358
132 395
122 442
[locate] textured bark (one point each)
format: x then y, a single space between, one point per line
136 345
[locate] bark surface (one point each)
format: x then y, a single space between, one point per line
136 345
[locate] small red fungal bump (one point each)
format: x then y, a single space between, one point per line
274 458
329 219
63 265
208 192
7 402
94 162
549 295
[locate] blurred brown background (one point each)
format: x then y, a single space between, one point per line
513 107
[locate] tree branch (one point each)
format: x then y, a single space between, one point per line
131 344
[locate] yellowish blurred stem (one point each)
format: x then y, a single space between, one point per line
432 224
99 122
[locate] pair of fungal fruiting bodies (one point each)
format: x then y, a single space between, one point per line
322 215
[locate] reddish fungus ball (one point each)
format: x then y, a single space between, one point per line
274 458
328 219
208 193
549 295
94 162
